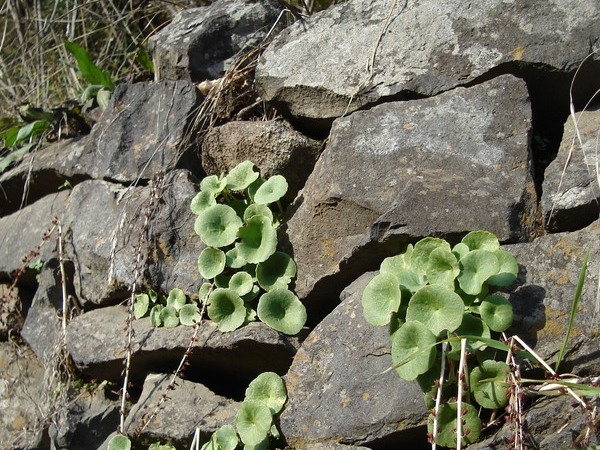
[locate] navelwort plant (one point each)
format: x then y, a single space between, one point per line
434 294
168 311
238 216
254 423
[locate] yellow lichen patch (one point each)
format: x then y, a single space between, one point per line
556 325
560 276
365 396
18 423
517 53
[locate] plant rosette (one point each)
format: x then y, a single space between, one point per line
238 215
434 293
168 311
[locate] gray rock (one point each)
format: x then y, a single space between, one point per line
42 173
200 42
544 293
97 339
189 405
571 195
104 238
42 327
88 420
392 175
144 131
364 51
552 423
341 388
274 147
22 232
21 398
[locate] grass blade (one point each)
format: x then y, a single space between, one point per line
574 308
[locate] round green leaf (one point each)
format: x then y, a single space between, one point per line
442 268
271 191
258 210
460 250
218 225
226 308
475 268
155 319
437 307
204 291
234 260
241 283
211 262
262 445
490 394
258 240
446 416
282 311
202 201
481 240
380 299
413 350
252 294
253 422
241 176
226 438
119 442
409 280
508 271
213 185
419 260
140 305
497 312
189 315
168 316
268 388
176 298
254 187
394 264
277 271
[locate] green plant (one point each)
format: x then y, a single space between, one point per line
264 400
434 294
237 218
168 311
19 138
101 84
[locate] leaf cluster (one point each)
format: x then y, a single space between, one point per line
254 422
168 311
435 293
237 218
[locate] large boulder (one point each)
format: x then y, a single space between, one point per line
571 189
393 174
342 387
200 43
144 131
106 222
365 51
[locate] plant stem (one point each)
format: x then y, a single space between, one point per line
461 376
438 397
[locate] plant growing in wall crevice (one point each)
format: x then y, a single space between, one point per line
238 215
432 294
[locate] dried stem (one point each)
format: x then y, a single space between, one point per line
438 397
461 377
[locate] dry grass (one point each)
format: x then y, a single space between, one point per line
35 67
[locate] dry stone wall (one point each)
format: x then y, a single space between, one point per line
455 124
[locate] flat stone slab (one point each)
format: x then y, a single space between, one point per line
364 51
97 345
393 174
571 189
